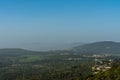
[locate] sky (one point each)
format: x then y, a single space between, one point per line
58 21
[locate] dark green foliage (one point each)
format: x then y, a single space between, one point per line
22 64
28 65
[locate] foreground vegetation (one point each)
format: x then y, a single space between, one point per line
26 65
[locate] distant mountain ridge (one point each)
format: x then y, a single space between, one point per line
99 47
108 47
18 52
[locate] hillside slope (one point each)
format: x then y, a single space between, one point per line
99 47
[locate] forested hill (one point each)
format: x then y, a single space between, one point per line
17 52
99 47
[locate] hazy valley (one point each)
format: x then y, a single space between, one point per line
72 64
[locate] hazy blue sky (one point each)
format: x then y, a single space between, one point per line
58 21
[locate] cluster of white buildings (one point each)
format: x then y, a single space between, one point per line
101 64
